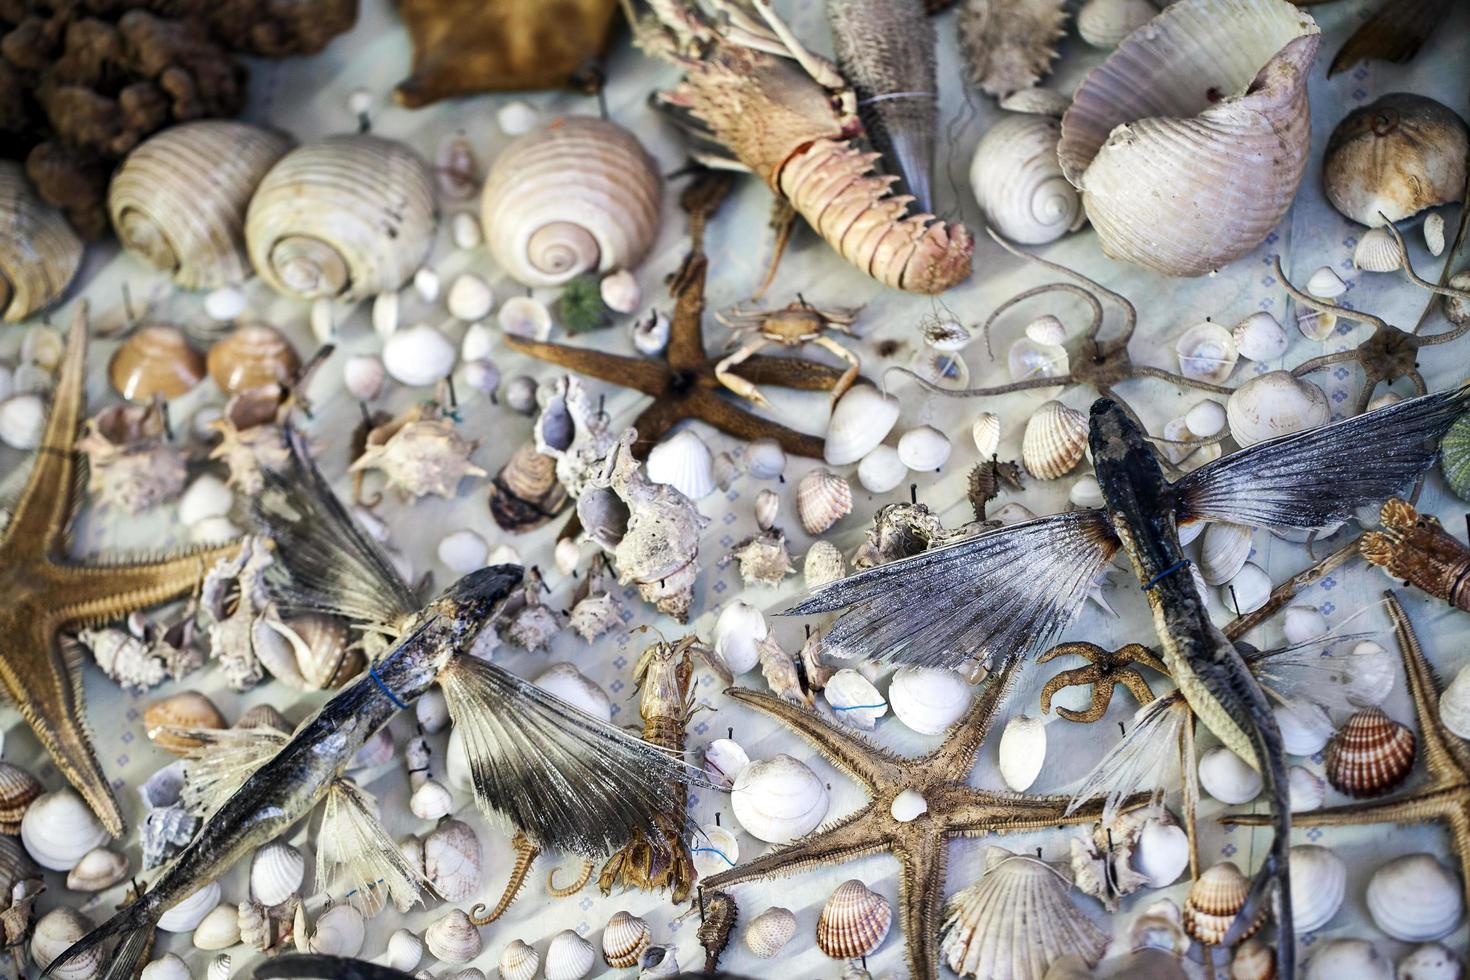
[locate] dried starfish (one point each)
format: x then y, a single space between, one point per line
1106 668
1444 797
955 809
45 592
684 385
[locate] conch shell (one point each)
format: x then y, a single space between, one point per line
39 253
1189 141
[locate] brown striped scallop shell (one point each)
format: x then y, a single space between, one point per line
1214 899
17 789
854 921
1370 754
624 939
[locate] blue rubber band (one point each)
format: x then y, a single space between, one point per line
712 850
1181 563
855 707
384 688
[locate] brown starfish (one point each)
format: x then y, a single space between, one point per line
44 593
1445 797
683 384
955 809
1106 668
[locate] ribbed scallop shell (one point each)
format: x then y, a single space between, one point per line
276 872
1015 921
569 957
39 253
822 499
56 931
347 217
180 197
1019 183
580 195
18 789
518 961
1377 251
1214 899
1189 141
1224 549
854 921
623 938
1104 23
1370 754
1054 442
770 931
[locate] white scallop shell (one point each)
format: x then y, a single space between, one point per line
1305 727
684 462
166 967
54 933
1054 442
1207 352
717 851
1220 129
220 929
276 873
928 700
58 828
1318 885
1415 898
770 931
579 195
1454 704
453 938
1434 234
1432 961
1248 591
519 961
779 799
882 470
569 957
854 699
347 217
463 551
860 420
189 911
1275 404
923 449
568 683
418 356
1325 283
1022 751
1224 549
405 950
1259 337
1019 183
724 760
1305 789
39 252
1105 23
1227 777
1347 959
1377 251
986 432
737 636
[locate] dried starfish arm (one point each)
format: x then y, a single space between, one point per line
630 372
789 372
854 836
1044 290
859 758
922 865
92 592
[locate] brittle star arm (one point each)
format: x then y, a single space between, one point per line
1051 287
1130 312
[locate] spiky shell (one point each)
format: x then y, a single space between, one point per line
1454 457
1019 183
39 253
822 499
452 860
623 938
1009 45
1054 442
131 466
1214 899
770 931
763 559
424 456
1370 754
854 921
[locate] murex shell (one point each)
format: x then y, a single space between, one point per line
580 195
1203 113
1019 183
854 921
180 197
39 253
1370 754
347 217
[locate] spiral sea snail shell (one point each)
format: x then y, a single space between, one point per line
1019 183
39 253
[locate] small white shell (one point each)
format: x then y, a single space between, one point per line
363 376
426 284
770 931
908 805
1248 591
1316 325
1305 727
99 868
651 333
1377 251
1347 959
882 470
1224 549
517 118
1206 419
718 851
276 872
767 508
519 961
1227 777
1431 961
464 229
1022 751
764 459
1259 337
1415 898
1207 352
1054 442
860 420
431 800
385 314
569 957
1275 404
186 915
166 967
1301 623
684 462
779 799
737 636
339 931
1161 853
469 298
463 551
986 432
453 938
1027 359
58 828
1305 789
208 496
22 421
1018 181
525 316
1318 885
224 304
1325 283
1454 704
1369 673
1086 492
854 699
418 356
1047 330
405 950
928 700
453 860
220 929
924 449
724 760
620 291
1434 234
568 683
54 933
1104 23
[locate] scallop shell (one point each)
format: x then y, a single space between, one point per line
623 938
99 868
18 789
1214 899
924 449
978 938
779 799
569 957
276 873
452 860
986 432
860 420
1019 183
339 931
1395 157
1259 337
179 199
1370 754
1207 352
1305 789
881 470
1434 234
854 700
1227 777
1377 251
187 709
1414 898
251 356
220 929
1022 751
453 938
724 760
854 922
264 716
39 253
155 360
1224 550
58 829
579 195
927 699
1105 23
1054 442
188 912
1347 959
1220 129
54 933
769 932
519 961
1431 961
1275 404
346 217
822 499
1318 885
684 462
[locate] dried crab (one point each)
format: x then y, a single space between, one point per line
791 326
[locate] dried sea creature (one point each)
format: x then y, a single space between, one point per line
39 253
1393 158
1009 45
597 611
131 465
1019 183
1415 548
763 559
790 327
252 440
572 430
419 453
1106 669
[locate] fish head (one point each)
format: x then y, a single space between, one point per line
468 605
1123 460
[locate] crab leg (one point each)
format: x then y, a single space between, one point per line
736 383
848 376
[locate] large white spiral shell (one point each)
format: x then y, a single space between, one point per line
179 199
39 253
347 217
1019 183
1189 141
580 195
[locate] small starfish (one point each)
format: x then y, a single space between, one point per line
44 593
1445 797
1106 668
955 809
683 384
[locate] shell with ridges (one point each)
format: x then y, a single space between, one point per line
927 699
39 253
1019 184
155 360
1370 754
1377 251
54 933
623 938
18 789
1395 157
1214 899
453 938
252 355
569 957
770 931
1318 885
276 873
452 860
186 915
1454 457
167 967
854 921
1211 103
347 217
59 828
779 799
1054 442
1224 550
519 961
985 430
1274 404
860 420
822 499
1105 23
179 199
1414 898
684 462
579 195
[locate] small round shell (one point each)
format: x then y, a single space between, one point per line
724 760
1259 337
1325 283
986 432
1377 251
779 799
1318 886
1019 183
1227 777
519 961
339 931
98 869
1305 789
1022 751
418 356
823 564
58 829
623 938
219 929
276 873
186 915
1214 899
1054 442
39 253
250 356
1434 234
155 360
1415 898
1104 23
1432 961
1275 404
405 950
1224 550
924 449
1207 352
854 699
453 938
860 420
882 470
854 921
167 967
569 957
770 931
1370 754
928 700
187 709
822 499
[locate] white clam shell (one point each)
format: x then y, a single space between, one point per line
363 376
99 868
465 231
339 931
347 217
1054 442
453 860
1434 234
167 967
1318 886
1259 337
1325 283
767 508
418 356
469 298
1206 419
1207 352
569 957
764 459
431 800
1275 404
405 950
58 828
1227 777
208 496
1161 853
224 304
1305 727
568 683
779 799
578 196
276 873
186 915
928 700
1022 751
39 252
684 462
724 760
985 430
1224 549
1086 492
1037 101
385 314
525 316
908 806
1377 251
219 929
1248 591
1347 959
924 449
426 284
854 699
54 933
463 551
1432 961
1305 789
519 961
1104 23
737 636
22 421
1454 704
860 420
1019 183
453 938
214 531
882 470
1301 623
718 851
1415 898
770 931
1220 129
620 291
1027 359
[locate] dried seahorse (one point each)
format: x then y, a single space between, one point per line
1415 548
526 852
787 115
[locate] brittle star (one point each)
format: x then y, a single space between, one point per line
1105 669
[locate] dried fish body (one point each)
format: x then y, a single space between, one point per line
1010 45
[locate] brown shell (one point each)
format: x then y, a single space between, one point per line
264 716
333 660
155 360
624 938
1370 754
187 709
822 499
17 789
1214 899
526 493
853 922
252 355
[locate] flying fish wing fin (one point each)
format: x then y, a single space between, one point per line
353 846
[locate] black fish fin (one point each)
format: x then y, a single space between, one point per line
353 840
1320 476
325 563
134 924
318 966
1001 593
570 781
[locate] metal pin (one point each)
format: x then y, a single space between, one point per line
168 425
730 733
913 493
367 417
717 818
1234 602
1123 731
128 304
700 890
